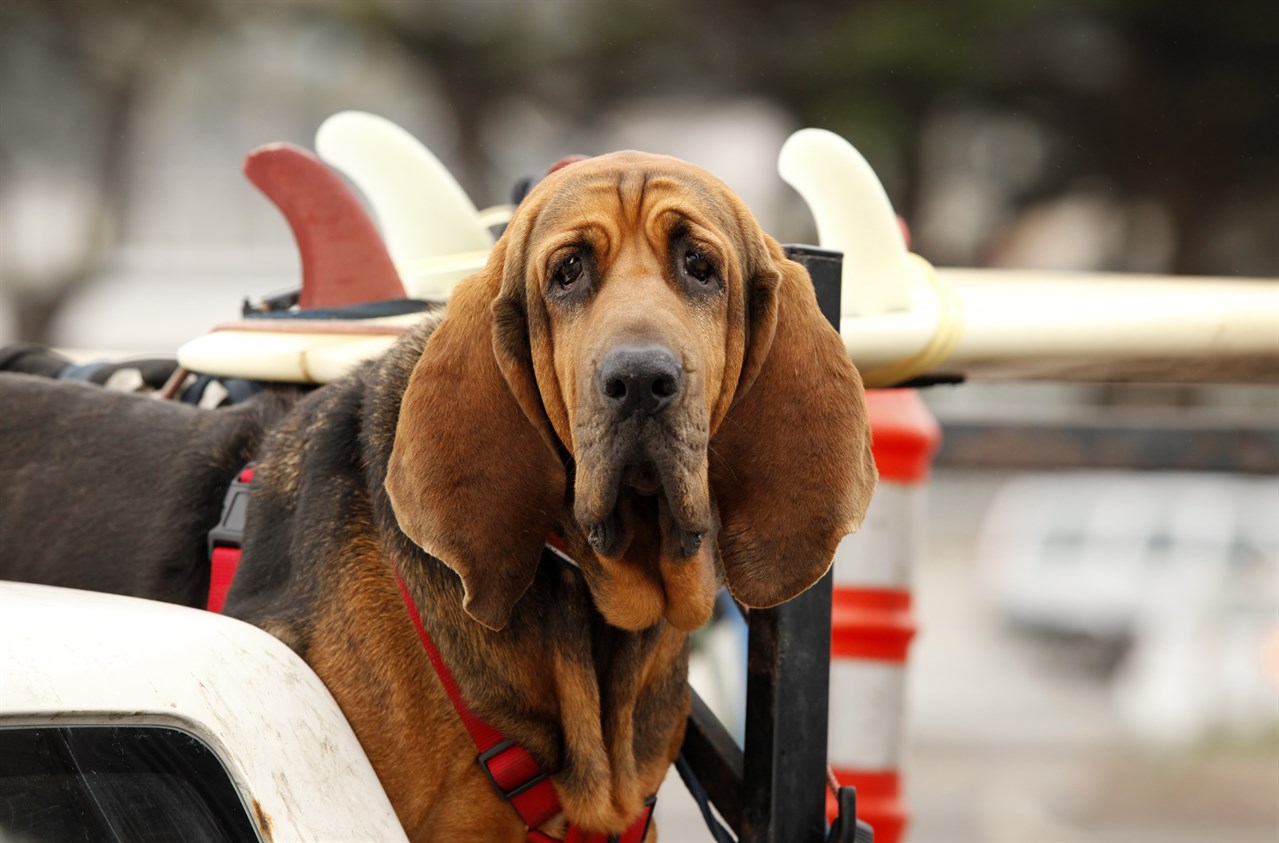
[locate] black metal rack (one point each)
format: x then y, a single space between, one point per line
773 790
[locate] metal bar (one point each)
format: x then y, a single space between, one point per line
774 791
788 679
1250 447
717 760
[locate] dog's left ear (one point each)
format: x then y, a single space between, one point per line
474 477
791 465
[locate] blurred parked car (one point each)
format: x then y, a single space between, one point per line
1179 572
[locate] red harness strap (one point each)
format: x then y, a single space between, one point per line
509 766
226 538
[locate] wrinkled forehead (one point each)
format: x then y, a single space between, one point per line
632 187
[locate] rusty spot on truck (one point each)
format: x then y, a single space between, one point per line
264 820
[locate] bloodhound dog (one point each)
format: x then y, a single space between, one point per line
638 371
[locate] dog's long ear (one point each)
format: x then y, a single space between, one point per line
791 465
474 477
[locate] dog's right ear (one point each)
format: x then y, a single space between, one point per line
791 464
474 476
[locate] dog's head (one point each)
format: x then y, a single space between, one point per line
639 365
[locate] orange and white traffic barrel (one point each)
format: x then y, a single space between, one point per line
871 618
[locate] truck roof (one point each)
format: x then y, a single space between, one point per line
78 658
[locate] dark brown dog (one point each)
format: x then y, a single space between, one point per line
638 369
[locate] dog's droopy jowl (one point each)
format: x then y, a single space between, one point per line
638 371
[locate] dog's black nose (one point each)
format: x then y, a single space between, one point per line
641 379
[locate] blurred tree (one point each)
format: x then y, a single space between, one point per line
1171 102
73 74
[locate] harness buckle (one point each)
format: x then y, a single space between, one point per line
226 540
517 769
229 531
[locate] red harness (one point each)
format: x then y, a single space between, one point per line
512 770
226 538
509 766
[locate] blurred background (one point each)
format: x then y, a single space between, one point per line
1100 568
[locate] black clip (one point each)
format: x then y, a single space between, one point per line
235 506
492 752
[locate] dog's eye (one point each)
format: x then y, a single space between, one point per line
699 266
567 271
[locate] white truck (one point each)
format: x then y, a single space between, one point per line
130 720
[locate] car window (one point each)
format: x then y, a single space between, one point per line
115 783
